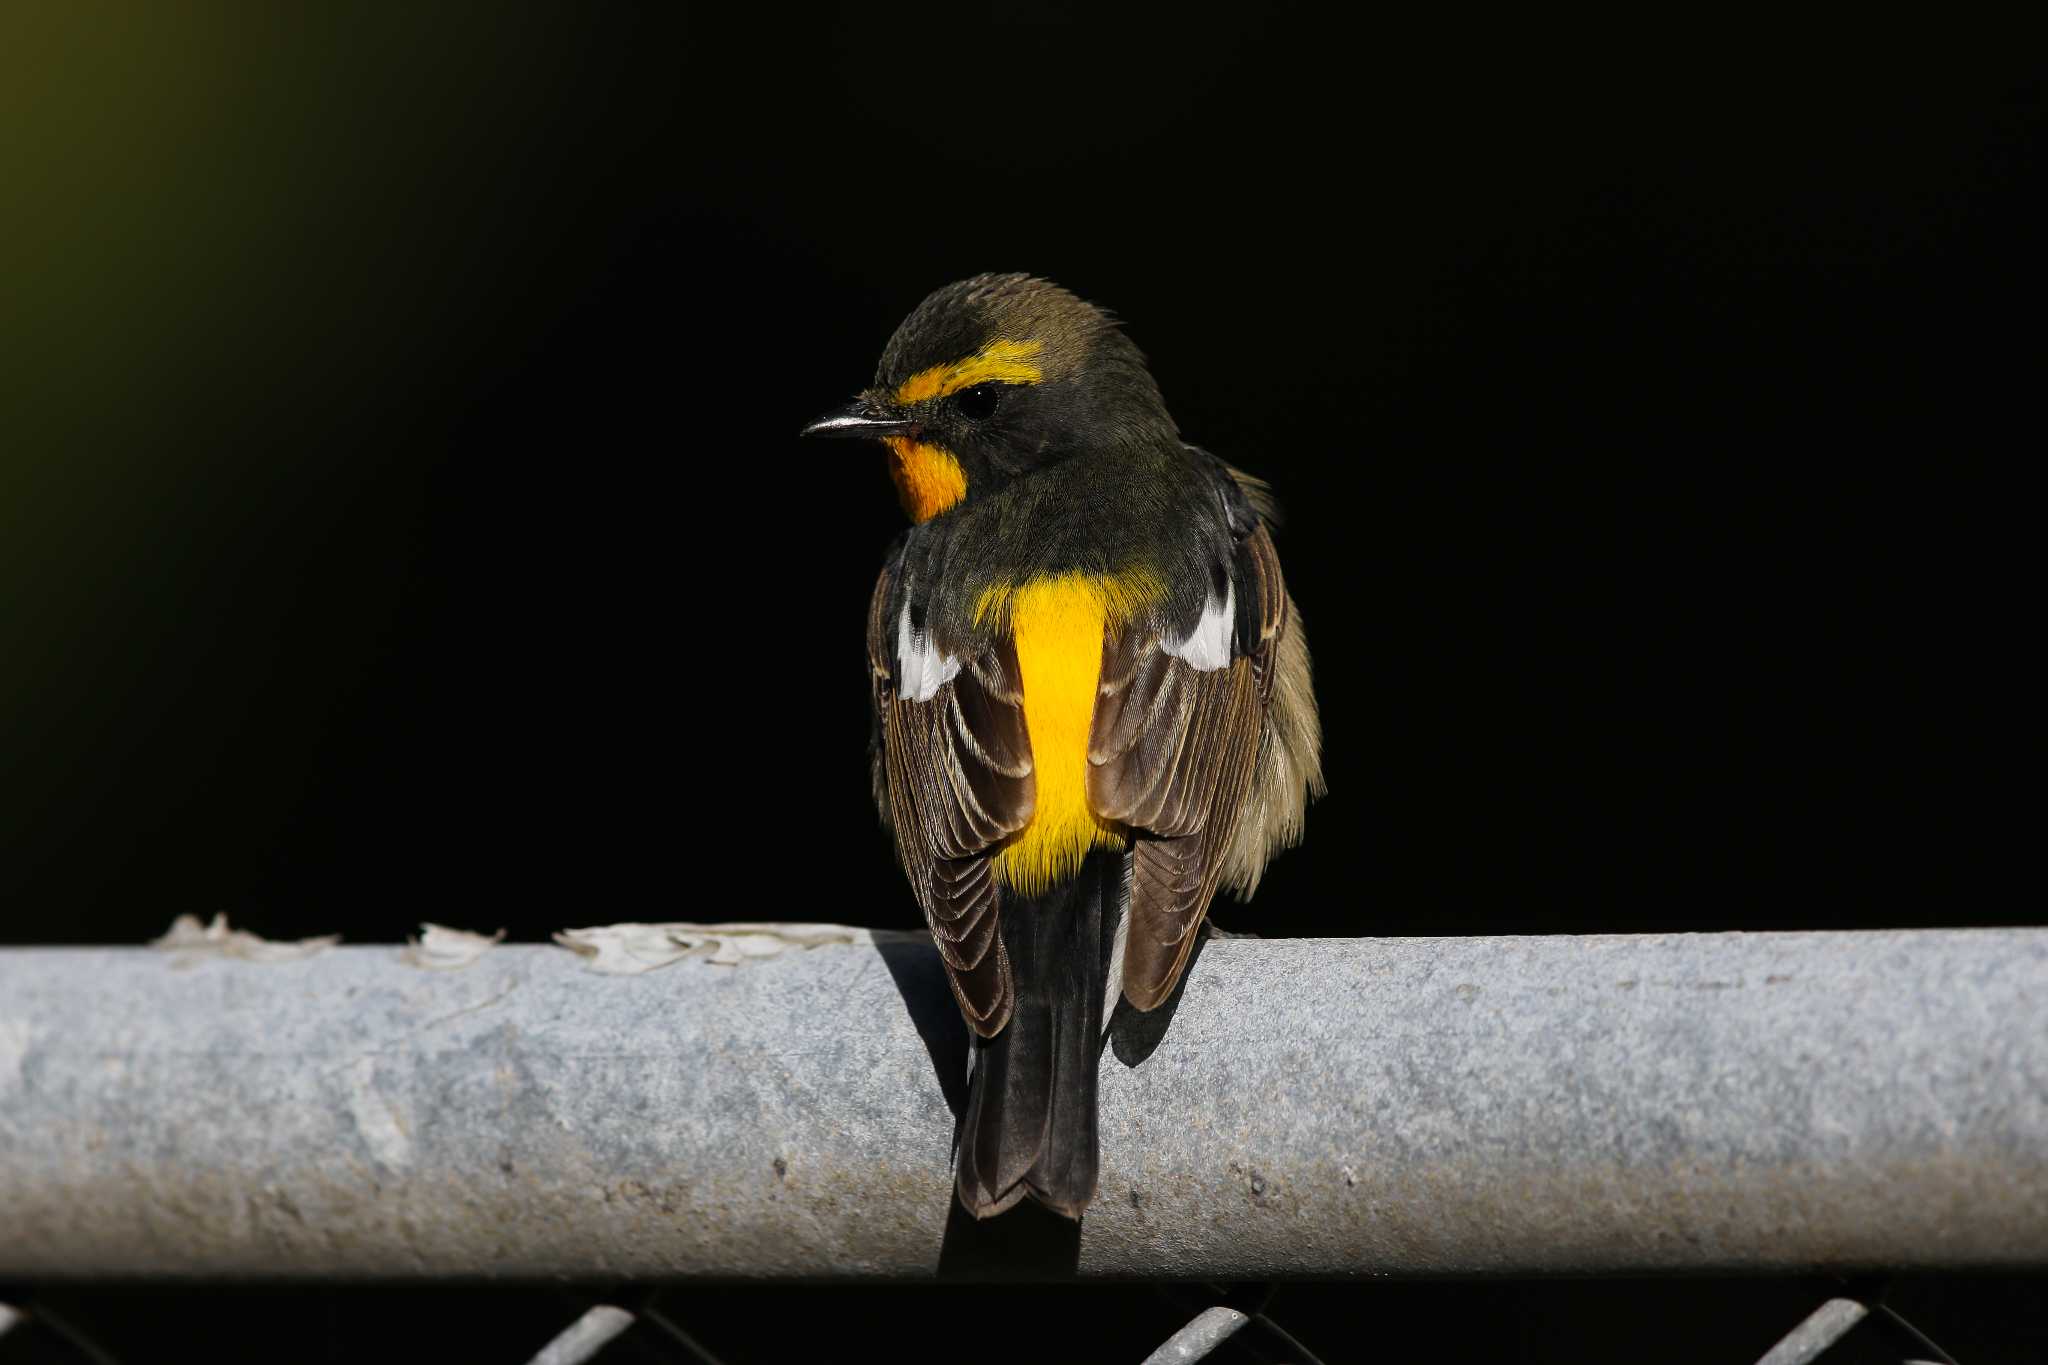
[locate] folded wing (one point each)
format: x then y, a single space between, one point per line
1180 723
955 779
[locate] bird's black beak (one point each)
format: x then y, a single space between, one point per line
858 418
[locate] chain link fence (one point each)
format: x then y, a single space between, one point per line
1238 1324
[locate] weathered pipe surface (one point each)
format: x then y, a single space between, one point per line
1317 1108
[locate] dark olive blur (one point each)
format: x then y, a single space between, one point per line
402 515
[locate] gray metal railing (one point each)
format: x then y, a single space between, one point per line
1784 1102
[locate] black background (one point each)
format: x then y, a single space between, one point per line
408 521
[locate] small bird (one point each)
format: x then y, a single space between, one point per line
1092 698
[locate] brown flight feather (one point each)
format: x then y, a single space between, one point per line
957 770
1175 753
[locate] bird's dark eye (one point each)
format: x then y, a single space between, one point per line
979 403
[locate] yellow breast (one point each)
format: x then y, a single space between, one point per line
1059 625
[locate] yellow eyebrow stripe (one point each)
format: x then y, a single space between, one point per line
1002 362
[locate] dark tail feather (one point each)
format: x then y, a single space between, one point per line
1030 1125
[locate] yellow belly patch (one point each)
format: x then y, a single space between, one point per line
1059 625
928 479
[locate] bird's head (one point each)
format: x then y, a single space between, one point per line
992 378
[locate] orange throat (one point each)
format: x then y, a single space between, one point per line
928 479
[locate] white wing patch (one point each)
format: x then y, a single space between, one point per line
920 669
1207 646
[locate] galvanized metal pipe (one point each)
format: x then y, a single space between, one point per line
1316 1108
1196 1341
582 1339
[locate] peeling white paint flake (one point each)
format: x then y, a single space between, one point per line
189 941
441 949
383 1132
920 669
1207 646
629 949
